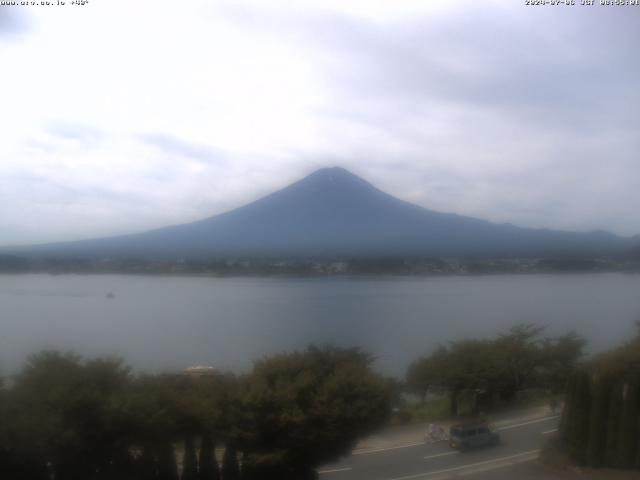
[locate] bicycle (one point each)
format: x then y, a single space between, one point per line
436 434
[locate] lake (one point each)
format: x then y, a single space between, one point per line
158 323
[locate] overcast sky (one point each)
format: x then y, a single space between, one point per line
119 116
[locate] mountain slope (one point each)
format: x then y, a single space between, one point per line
333 212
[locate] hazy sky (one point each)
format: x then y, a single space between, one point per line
120 115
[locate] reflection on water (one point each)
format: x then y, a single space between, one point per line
172 322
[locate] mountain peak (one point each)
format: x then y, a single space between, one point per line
334 177
333 173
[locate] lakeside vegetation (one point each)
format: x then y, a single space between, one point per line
66 418
600 425
600 422
479 374
63 417
313 266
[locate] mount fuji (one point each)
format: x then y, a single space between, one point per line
333 212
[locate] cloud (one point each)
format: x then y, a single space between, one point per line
181 148
489 109
488 113
81 133
12 22
496 59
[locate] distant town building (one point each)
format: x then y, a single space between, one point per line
200 371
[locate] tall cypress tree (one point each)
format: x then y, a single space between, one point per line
22 468
613 426
569 397
579 419
145 465
628 432
230 468
189 461
637 462
167 468
209 469
598 423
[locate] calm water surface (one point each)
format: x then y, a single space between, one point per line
173 322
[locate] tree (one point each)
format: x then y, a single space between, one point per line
596 447
520 355
613 425
274 465
145 465
307 408
71 419
567 412
559 358
578 421
230 469
208 466
488 369
622 363
473 367
66 412
601 421
628 430
189 461
427 373
151 410
637 460
167 468
17 461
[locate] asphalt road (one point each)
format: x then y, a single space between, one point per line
520 443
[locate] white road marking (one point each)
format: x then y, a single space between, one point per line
441 455
408 445
334 470
376 450
531 422
496 466
469 465
550 431
485 468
